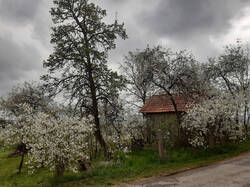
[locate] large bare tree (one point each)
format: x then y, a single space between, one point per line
137 70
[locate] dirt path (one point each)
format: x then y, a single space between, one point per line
230 173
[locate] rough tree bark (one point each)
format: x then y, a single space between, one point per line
161 147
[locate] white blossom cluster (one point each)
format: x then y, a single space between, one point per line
134 126
18 131
51 140
118 143
132 130
216 116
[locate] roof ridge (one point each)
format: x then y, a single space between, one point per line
162 103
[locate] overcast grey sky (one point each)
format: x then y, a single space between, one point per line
202 26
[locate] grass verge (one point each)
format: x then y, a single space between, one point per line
125 168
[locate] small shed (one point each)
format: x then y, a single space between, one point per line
159 109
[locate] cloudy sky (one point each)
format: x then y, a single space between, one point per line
202 26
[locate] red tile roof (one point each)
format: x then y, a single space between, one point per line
163 104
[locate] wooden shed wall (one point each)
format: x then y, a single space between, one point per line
156 120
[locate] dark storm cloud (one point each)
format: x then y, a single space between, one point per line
19 11
179 24
182 18
192 24
24 39
128 12
28 12
16 61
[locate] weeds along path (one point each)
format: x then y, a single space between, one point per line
232 172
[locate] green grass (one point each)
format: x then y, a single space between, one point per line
131 167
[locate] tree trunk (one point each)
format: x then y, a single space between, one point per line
101 141
248 116
237 117
60 168
95 110
224 140
91 148
84 165
211 139
21 163
22 148
98 133
95 113
245 118
161 147
178 119
147 132
96 147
